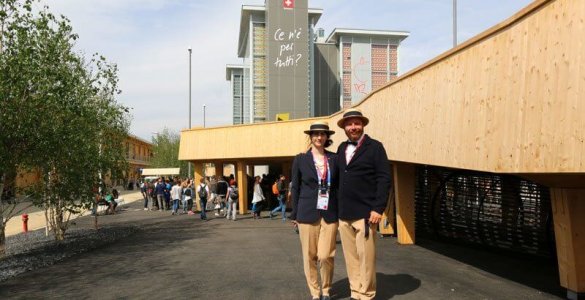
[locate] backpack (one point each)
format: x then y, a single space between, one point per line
222 187
275 189
234 193
203 191
188 192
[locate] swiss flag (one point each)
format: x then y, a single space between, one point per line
288 3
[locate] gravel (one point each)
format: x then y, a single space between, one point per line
34 250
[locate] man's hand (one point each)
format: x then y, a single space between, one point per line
375 217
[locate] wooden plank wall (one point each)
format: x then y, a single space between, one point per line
509 101
264 140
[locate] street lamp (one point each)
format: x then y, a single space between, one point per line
203 115
454 23
189 163
155 133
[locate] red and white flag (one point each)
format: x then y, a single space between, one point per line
288 3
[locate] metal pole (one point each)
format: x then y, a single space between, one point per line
203 115
189 163
454 23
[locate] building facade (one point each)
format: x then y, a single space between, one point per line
235 75
290 70
367 59
138 154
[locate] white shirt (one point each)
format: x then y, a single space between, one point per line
257 194
350 150
176 192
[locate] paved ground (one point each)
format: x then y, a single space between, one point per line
36 216
182 257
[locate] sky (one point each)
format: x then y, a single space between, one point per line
148 40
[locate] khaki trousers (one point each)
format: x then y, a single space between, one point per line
318 246
360 257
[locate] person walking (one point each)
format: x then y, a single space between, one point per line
160 194
313 192
257 197
203 192
222 187
152 194
281 186
144 192
168 187
176 193
364 186
191 186
232 201
187 197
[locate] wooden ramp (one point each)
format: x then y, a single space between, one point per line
511 100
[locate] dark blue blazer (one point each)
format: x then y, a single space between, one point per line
304 189
364 183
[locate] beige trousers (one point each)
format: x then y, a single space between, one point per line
318 246
360 257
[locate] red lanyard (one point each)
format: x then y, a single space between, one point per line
324 176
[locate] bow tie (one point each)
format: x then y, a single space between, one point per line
352 143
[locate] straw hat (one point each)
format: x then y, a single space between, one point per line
320 126
352 113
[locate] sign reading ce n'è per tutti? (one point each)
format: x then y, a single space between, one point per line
286 54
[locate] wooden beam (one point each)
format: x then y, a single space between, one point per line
242 179
404 184
568 207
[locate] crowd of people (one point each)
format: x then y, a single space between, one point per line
219 194
168 194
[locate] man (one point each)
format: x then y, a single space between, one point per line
364 184
144 191
281 186
203 192
232 201
160 193
222 187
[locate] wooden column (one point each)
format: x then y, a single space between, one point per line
218 169
197 175
568 207
404 184
386 226
242 180
287 172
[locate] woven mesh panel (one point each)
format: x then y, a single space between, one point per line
501 211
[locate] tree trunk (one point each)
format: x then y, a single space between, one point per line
2 224
59 224
47 223
59 233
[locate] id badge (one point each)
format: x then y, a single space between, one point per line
323 199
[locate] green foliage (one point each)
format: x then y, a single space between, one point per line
58 111
166 151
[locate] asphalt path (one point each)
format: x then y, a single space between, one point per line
183 257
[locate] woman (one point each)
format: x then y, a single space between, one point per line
257 198
176 192
187 200
232 200
314 182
